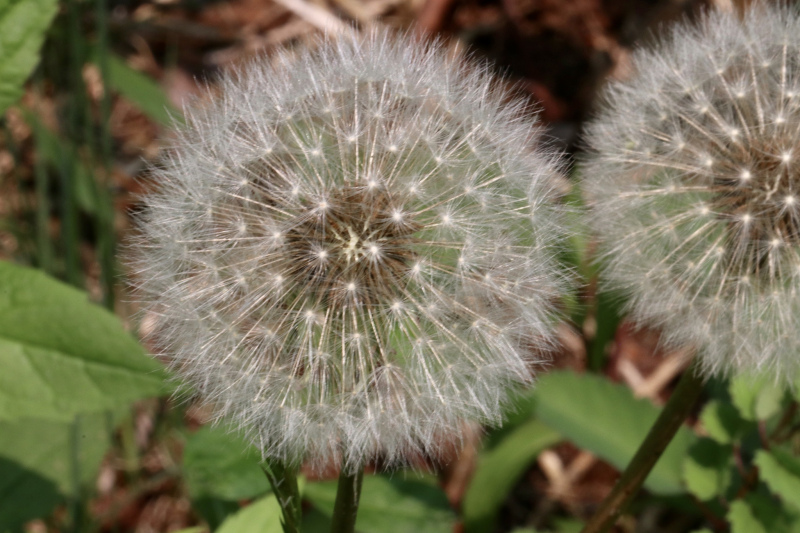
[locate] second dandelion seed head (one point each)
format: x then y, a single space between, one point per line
695 176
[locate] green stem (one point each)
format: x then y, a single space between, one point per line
284 483
44 245
673 414
105 208
346 507
70 231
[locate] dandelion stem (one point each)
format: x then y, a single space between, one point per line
284 483
673 414
346 507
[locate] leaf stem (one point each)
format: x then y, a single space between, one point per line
673 414
345 509
283 479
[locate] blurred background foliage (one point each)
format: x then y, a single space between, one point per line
91 442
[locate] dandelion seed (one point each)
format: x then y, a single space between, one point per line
738 305
356 335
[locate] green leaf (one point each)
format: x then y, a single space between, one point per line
756 398
214 511
722 422
607 319
706 469
63 157
52 449
23 24
742 520
262 516
605 419
769 401
62 355
142 91
567 525
392 505
24 495
315 521
781 472
795 388
219 464
498 471
196 529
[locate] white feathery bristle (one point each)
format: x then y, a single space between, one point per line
694 177
302 252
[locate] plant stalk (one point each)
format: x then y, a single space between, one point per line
345 509
106 240
673 414
284 483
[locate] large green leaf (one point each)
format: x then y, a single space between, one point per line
262 516
605 419
23 24
220 464
781 472
392 505
142 91
24 495
61 355
498 471
55 450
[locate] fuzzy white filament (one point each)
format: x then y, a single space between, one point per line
695 179
354 251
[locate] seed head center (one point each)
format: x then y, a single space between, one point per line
356 245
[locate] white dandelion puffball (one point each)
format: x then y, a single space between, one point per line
694 176
353 249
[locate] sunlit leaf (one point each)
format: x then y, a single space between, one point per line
781 472
61 355
261 516
605 419
756 398
742 519
706 469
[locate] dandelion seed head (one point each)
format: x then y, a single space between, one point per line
722 278
334 321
